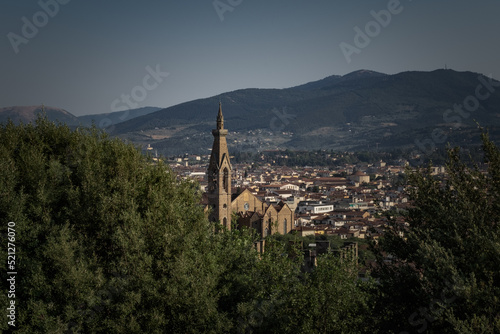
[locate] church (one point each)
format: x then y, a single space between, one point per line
248 209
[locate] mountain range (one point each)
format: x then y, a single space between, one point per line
28 114
362 110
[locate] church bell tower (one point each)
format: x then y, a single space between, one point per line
219 176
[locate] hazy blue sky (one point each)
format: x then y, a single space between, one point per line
87 54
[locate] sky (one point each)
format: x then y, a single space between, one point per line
91 57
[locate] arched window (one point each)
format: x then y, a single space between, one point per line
285 229
266 232
224 222
225 180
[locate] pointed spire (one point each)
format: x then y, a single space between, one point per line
220 118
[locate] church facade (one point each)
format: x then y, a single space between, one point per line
265 218
250 211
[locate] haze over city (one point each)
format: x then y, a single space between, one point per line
83 56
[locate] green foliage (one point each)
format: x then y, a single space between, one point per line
106 241
445 275
337 302
330 299
285 300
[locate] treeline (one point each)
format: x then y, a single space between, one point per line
311 158
330 158
109 242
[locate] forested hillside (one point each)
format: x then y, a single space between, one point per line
360 111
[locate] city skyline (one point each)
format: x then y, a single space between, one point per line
85 57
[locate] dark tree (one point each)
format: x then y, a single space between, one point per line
443 275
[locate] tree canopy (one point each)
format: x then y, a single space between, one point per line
444 274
